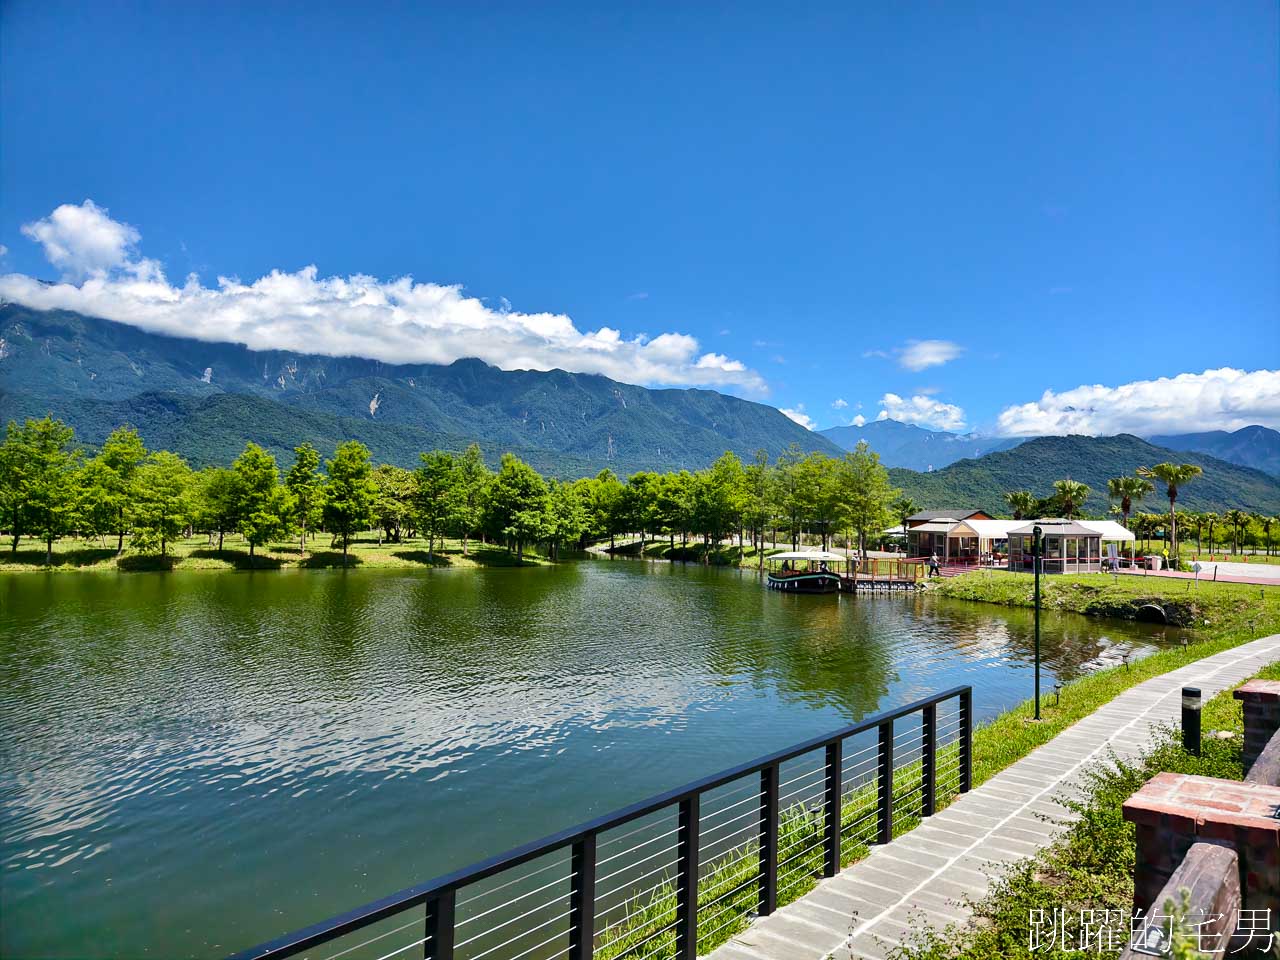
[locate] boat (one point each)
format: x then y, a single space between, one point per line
807 571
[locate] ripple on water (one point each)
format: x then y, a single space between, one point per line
282 747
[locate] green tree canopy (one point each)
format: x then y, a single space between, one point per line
348 503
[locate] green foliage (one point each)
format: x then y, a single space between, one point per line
438 495
1034 465
348 503
306 491
161 509
517 503
260 504
37 481
1090 867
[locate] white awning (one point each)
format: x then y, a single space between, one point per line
1109 529
808 555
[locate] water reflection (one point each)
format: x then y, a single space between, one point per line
197 762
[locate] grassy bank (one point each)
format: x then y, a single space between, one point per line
198 553
1217 616
1091 866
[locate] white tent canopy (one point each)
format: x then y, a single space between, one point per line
808 555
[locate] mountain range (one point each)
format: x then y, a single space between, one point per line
1034 465
915 448
204 400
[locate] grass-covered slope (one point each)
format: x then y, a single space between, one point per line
1035 464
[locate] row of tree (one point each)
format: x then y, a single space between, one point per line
1127 492
51 488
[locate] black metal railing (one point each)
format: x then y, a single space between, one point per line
690 875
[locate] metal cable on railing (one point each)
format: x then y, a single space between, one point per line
750 837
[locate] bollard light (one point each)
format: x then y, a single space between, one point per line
1057 694
1191 720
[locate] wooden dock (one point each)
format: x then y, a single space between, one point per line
885 575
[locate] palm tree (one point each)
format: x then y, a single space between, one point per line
1238 520
1021 502
1267 523
1129 491
1210 520
1071 494
903 508
1172 475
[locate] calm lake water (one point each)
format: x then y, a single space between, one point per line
191 763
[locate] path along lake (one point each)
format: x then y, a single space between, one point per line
192 763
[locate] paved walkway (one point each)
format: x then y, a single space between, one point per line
1263 574
924 876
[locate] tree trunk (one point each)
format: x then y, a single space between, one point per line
302 541
344 549
519 551
220 533
48 551
120 534
464 541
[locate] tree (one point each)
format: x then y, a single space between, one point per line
436 495
216 502
122 453
393 499
866 493
1021 502
1129 491
1173 476
160 501
1070 495
602 507
306 489
518 503
1237 520
348 502
1267 524
1210 520
756 501
902 509
48 473
259 503
473 480
566 516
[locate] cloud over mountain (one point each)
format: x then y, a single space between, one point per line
398 320
921 410
1222 399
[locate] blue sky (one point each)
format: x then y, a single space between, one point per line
939 211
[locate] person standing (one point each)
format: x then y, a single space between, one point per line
934 569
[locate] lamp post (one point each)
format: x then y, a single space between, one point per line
1037 549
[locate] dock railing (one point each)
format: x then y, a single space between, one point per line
674 876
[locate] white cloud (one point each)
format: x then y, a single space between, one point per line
398 321
1223 399
921 354
839 404
799 416
858 421
84 241
921 410
3 250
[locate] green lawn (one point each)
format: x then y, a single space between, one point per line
197 553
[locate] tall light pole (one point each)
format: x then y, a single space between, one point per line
1037 548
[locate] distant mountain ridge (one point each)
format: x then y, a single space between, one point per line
915 448
205 400
1255 446
1034 465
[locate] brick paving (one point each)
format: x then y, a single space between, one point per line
925 876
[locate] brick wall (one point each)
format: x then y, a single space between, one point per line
1261 702
1172 811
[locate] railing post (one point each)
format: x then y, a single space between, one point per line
929 759
768 840
687 880
835 767
966 739
439 930
582 899
884 783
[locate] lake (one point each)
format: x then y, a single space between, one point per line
192 763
